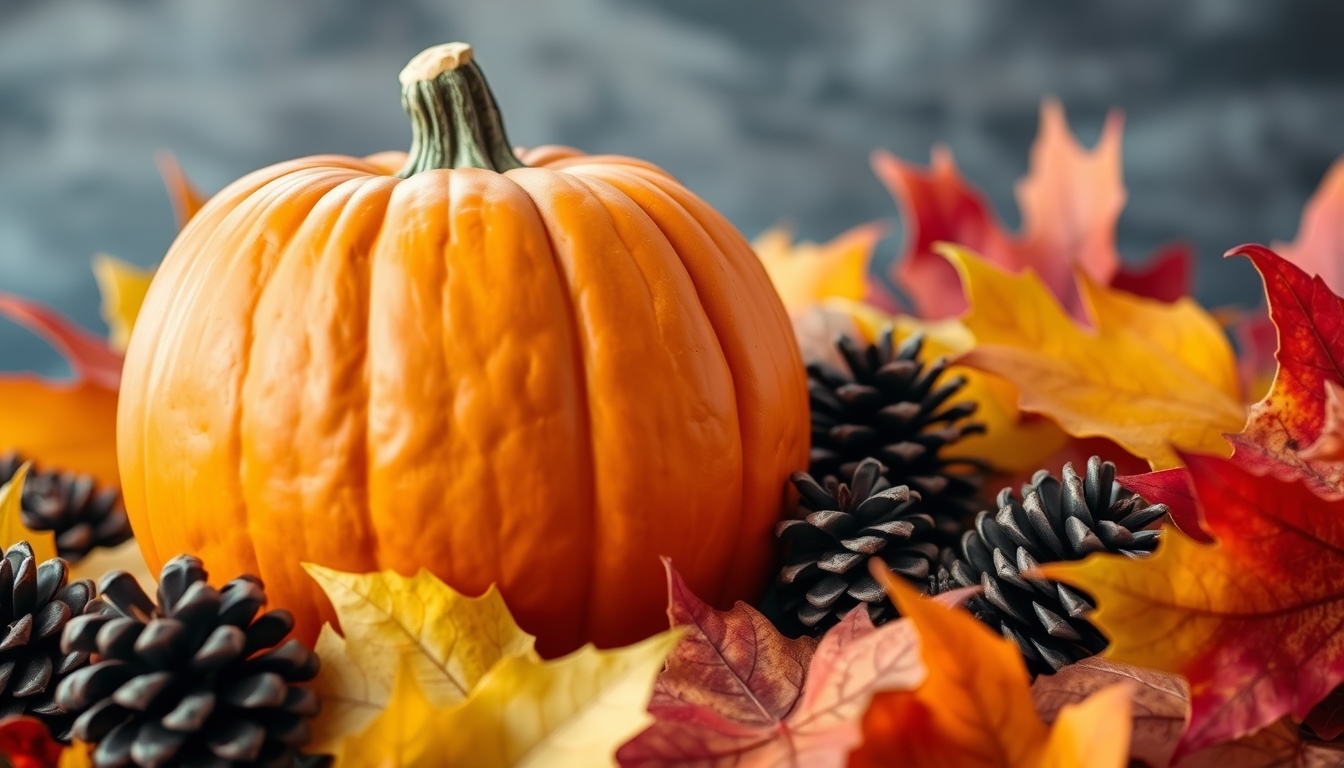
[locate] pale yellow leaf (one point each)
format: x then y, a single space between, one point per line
805 274
1151 376
12 529
123 287
449 640
573 712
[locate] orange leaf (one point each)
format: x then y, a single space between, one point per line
1250 621
1070 201
185 198
975 708
1149 376
1319 247
26 743
71 426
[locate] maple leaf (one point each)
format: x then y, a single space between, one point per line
805 274
1150 376
975 707
1250 621
1291 417
1319 247
26 743
447 640
938 206
1160 706
1070 201
1170 487
572 712
734 694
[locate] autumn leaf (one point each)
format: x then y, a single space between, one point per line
66 424
573 712
1152 377
975 707
1250 621
448 640
26 743
1310 322
734 693
185 198
1170 487
1071 200
1319 247
1160 703
12 529
1278 746
123 287
1329 446
938 206
806 274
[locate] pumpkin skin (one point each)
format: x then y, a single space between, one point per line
544 378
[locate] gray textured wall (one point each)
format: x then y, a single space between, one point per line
768 108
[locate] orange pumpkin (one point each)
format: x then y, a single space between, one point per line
540 373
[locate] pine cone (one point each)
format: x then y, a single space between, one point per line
892 407
194 680
827 568
1054 521
70 505
36 604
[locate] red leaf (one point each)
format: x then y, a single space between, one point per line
26 743
1330 445
1170 487
1165 276
1310 322
89 355
1276 649
1278 746
937 205
733 692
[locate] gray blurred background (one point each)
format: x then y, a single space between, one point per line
767 108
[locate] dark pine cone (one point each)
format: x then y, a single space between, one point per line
70 505
36 604
193 681
1054 521
828 551
892 407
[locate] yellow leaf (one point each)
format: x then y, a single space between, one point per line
123 287
449 640
12 529
574 712
405 735
77 755
1151 376
805 274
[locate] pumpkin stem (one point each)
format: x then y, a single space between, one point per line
455 122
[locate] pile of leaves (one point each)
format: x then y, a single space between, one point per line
1226 645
